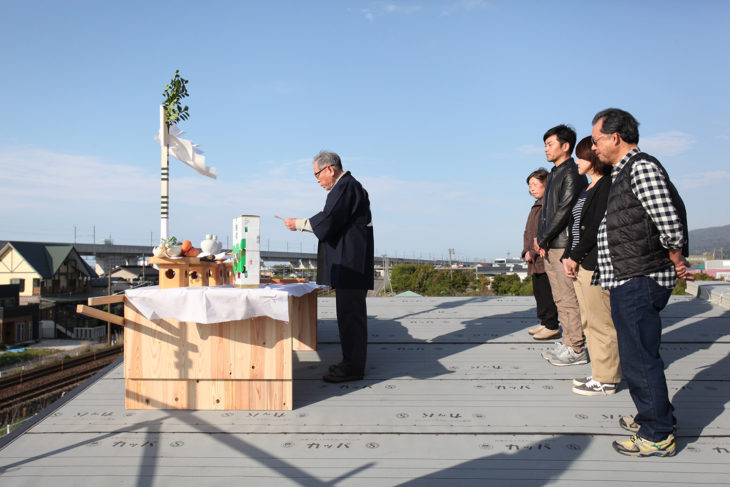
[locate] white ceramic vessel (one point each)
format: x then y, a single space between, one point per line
211 245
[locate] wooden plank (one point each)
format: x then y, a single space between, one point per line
209 394
99 314
216 274
303 318
198 275
257 349
173 276
101 300
178 261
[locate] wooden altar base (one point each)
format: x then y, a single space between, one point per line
234 365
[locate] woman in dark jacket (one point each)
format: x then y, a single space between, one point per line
579 262
546 310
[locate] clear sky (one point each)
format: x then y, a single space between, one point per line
438 108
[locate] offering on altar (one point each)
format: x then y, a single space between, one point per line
172 248
246 251
211 245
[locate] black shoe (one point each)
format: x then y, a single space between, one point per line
337 375
334 367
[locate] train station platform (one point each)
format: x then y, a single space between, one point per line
456 393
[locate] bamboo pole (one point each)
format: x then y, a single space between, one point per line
165 178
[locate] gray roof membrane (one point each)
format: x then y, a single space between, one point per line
455 392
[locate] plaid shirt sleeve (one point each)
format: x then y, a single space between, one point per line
650 187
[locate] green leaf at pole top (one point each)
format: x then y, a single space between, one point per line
174 92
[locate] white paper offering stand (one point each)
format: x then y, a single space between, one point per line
212 347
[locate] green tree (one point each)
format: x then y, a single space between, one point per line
526 287
429 281
507 285
681 286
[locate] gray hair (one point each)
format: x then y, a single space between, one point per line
325 158
617 121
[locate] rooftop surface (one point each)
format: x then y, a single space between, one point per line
456 393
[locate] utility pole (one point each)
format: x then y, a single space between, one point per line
451 268
386 276
109 293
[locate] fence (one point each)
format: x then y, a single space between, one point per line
90 333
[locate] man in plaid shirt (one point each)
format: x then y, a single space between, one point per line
640 247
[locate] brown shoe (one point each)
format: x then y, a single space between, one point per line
546 334
338 375
536 329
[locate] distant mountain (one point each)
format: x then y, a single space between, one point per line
712 239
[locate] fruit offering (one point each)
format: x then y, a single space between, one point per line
171 248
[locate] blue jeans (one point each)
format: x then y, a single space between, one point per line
635 308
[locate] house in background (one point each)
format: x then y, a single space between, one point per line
137 274
44 269
18 324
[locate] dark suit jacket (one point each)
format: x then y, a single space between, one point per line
345 257
585 252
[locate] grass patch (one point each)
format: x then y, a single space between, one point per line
12 358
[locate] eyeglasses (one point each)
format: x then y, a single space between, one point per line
595 141
316 175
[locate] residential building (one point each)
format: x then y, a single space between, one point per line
44 269
18 324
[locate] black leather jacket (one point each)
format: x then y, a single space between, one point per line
563 188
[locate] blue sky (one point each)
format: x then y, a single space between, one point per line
438 108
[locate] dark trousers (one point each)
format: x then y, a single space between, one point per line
546 309
635 308
352 321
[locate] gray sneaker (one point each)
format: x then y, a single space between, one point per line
595 388
568 357
558 348
581 381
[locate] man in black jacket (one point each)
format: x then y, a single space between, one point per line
563 188
345 258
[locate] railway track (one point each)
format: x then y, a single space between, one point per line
23 388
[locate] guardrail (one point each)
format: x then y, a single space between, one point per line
9 427
90 333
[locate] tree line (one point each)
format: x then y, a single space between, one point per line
426 280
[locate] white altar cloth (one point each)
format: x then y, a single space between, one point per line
216 304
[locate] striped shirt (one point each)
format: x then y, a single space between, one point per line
577 209
650 188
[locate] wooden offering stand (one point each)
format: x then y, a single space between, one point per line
236 365
192 271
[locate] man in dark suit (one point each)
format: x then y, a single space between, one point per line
345 258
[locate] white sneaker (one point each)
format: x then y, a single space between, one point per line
568 356
557 349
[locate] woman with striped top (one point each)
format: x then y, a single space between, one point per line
579 262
